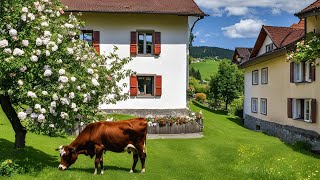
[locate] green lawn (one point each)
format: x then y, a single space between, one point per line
207 68
227 151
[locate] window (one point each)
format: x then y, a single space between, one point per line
264 76
146 85
255 77
263 106
308 72
298 72
302 72
269 47
87 35
254 105
145 43
302 109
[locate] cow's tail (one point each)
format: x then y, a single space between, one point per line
145 141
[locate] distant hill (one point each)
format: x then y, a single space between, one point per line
207 68
204 51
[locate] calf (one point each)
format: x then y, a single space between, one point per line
96 138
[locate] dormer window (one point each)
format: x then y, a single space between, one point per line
269 47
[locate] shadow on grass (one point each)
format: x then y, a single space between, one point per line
221 112
31 160
236 120
303 150
106 169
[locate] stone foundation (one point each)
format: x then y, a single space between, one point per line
286 133
145 112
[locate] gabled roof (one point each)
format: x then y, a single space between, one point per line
243 53
314 7
280 36
175 7
299 25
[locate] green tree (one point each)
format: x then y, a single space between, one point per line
49 79
227 84
198 75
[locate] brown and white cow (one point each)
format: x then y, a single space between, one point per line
96 138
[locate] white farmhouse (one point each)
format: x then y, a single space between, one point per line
155 34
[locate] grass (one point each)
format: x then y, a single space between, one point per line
207 68
227 151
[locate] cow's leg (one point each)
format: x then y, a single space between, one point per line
101 164
142 154
99 159
135 160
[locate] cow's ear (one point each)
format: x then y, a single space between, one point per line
60 148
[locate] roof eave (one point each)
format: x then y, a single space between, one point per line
311 12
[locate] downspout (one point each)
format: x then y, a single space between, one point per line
188 53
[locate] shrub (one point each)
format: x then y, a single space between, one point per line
9 168
236 107
190 92
302 146
201 97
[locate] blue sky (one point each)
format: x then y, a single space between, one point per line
236 23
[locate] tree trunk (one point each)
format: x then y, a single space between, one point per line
14 120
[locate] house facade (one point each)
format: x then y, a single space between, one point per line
282 98
155 34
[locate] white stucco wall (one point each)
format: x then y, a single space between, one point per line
265 43
171 64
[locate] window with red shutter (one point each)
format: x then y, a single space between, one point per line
314 110
292 72
289 108
96 41
157 43
133 86
133 44
158 85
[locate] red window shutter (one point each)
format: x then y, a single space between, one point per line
133 44
314 110
289 107
292 72
96 41
304 71
313 73
157 43
133 86
158 85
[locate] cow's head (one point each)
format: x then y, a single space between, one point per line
68 157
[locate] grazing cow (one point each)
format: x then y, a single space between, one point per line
96 138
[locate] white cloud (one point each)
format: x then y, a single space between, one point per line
223 6
197 33
202 41
275 11
207 35
237 11
247 28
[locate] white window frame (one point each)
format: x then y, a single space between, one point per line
269 47
307 70
263 106
307 110
264 76
255 77
298 72
296 108
254 105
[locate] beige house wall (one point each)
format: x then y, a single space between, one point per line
278 90
313 22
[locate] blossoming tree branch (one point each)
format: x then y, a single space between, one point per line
49 79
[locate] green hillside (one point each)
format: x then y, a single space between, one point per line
207 68
205 52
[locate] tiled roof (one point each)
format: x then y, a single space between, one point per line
280 36
176 7
311 7
299 25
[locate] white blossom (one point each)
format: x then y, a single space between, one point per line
29 110
13 32
31 16
59 41
54 48
53 104
90 71
69 26
55 97
41 118
18 52
62 71
24 17
64 115
79 88
75 109
51 125
95 82
71 95
47 73
45 93
61 86
93 65
47 34
4 43
22 115
34 58
45 24
23 69
70 51
38 52
20 82
60 36
73 105
33 115
24 10
59 61
7 51
58 13
45 41
37 106
43 110
47 53
25 43
73 79
65 101
63 79
31 94
38 42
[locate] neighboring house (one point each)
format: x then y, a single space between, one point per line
241 55
281 97
155 34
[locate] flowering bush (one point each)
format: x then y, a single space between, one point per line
179 120
201 97
52 77
308 50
